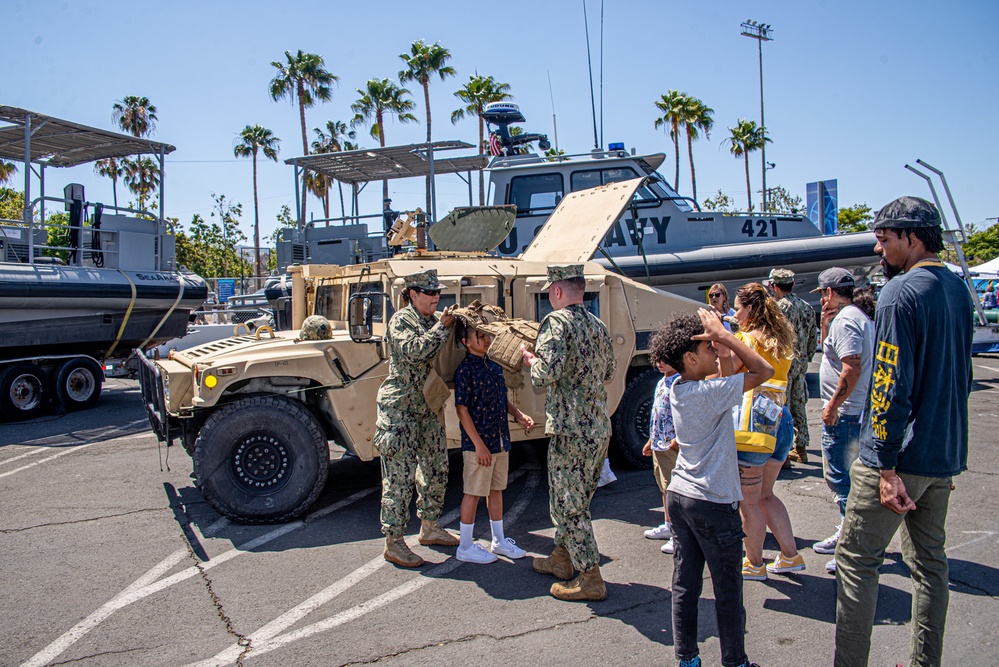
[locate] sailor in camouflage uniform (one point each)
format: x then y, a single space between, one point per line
572 359
409 436
802 318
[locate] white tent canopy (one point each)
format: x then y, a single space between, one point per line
992 266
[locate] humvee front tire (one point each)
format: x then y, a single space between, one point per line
631 421
261 460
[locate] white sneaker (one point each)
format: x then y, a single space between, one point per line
507 547
660 532
474 554
669 547
831 566
828 545
606 475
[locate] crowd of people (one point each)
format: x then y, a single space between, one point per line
727 416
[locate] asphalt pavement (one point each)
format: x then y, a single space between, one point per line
111 557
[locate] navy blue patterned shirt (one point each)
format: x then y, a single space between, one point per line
479 385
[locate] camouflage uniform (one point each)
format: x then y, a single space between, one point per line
575 359
409 437
802 318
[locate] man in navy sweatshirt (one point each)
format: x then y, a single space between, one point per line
914 435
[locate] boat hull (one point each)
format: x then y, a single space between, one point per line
690 273
49 309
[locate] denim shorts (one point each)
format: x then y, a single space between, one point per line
785 440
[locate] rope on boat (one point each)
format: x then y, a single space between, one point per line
180 295
128 313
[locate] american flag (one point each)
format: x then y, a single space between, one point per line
494 144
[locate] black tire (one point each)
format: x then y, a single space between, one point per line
631 421
78 383
261 459
24 391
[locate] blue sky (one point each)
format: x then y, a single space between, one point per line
853 90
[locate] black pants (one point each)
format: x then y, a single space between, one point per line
706 532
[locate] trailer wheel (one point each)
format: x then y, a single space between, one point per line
631 421
261 459
24 391
78 383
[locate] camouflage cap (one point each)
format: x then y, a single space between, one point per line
780 277
563 272
316 327
423 279
906 213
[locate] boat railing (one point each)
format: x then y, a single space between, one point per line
81 240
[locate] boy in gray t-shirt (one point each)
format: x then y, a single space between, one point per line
703 495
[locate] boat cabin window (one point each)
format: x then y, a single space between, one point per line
542 306
653 193
536 195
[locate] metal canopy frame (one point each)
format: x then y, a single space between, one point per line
358 168
47 141
382 164
54 142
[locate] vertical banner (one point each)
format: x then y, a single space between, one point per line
822 203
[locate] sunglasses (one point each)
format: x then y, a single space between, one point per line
715 295
428 292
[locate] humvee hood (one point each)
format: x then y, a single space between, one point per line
580 222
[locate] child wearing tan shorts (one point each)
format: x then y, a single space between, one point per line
482 404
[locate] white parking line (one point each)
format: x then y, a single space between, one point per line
26 454
266 638
146 585
54 456
994 370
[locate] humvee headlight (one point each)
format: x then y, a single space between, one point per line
211 381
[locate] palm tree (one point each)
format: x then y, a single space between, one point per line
379 97
696 118
7 171
745 138
114 170
476 94
422 62
135 115
142 176
302 77
672 105
252 139
340 138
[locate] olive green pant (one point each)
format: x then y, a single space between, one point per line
413 453
867 530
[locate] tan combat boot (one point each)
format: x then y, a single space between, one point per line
432 533
558 564
398 552
588 586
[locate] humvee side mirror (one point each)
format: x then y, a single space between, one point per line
359 314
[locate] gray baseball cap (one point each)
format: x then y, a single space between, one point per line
835 277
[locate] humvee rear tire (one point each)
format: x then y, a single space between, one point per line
261 460
631 421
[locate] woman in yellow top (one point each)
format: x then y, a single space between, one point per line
764 327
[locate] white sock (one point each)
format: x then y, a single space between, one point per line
497 527
466 535
669 527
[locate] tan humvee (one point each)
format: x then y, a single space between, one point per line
256 412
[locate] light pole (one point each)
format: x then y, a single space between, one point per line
761 33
